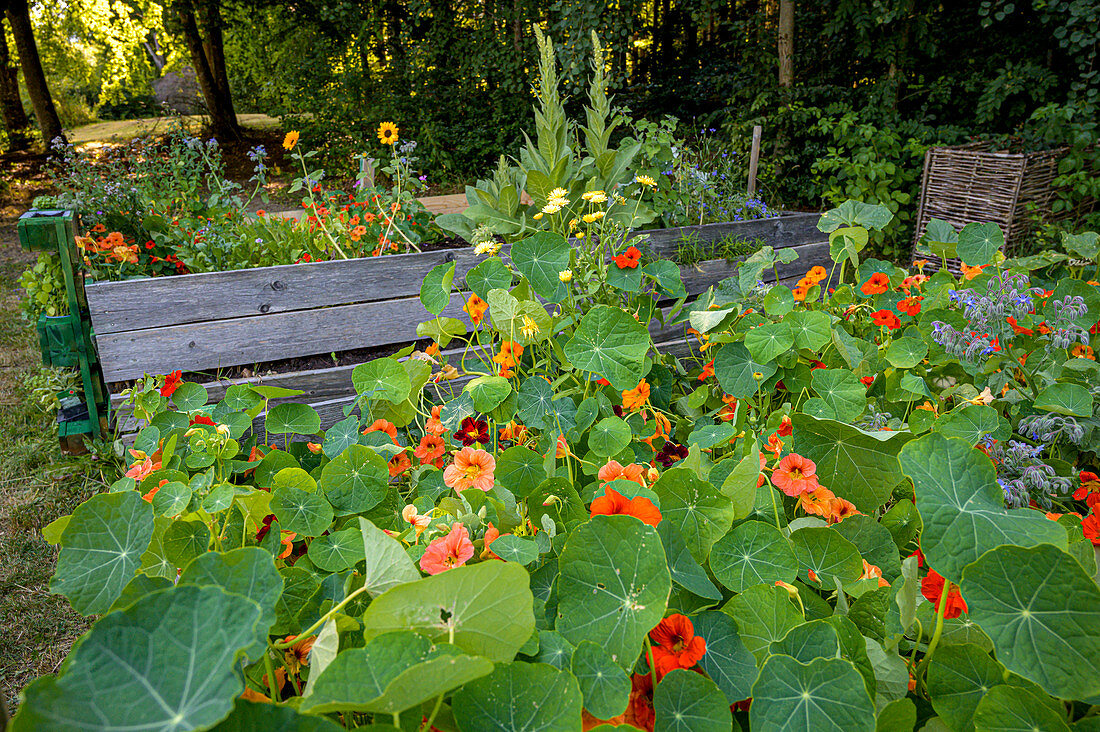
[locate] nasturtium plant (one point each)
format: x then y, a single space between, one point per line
869 501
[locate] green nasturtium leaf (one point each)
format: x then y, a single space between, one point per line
302 512
487 392
337 550
387 563
611 343
825 694
727 661
753 553
826 553
340 436
116 679
533 697
685 571
905 353
1064 398
613 585
251 716
767 341
609 437
554 649
299 585
962 505
1009 709
979 242
512 548
540 257
958 677
603 683
510 317
842 391
685 701
692 505
293 418
738 373
535 397
811 329
393 672
492 274
435 289
972 423
764 613
355 481
382 378
101 549
520 470
804 643
455 606
857 465
190 396
1040 609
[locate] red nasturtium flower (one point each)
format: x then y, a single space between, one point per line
886 318
932 587
795 475
202 419
910 306
875 285
677 646
1089 490
447 552
171 382
471 469
613 503
1090 527
399 463
472 431
628 259
785 427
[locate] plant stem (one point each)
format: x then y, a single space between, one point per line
431 718
270 668
941 610
324 619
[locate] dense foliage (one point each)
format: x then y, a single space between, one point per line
866 503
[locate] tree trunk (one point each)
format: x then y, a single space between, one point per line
33 76
786 42
219 104
11 106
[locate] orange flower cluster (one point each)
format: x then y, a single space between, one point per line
816 274
508 357
796 476
629 259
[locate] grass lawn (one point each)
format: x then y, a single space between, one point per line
122 130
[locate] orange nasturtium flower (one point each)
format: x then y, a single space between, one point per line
434 425
1082 351
876 284
399 463
816 274
613 503
677 646
795 475
932 587
628 259
298 654
290 140
471 469
447 552
970 273
475 307
382 425
637 397
614 471
430 450
818 502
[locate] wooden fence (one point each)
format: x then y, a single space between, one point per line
213 321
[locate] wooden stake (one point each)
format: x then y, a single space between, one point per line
754 158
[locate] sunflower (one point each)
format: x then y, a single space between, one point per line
387 133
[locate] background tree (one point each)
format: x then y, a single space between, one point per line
12 114
201 26
18 14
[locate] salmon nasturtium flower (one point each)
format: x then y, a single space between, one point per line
613 503
795 475
418 521
434 425
871 571
171 382
471 469
448 552
677 646
817 502
637 397
876 284
932 587
475 307
614 471
382 425
492 533
562 449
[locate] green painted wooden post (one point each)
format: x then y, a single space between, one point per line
68 340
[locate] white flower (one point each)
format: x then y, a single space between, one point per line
558 193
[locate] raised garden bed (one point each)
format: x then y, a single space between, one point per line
215 322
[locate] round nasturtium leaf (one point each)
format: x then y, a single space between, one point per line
535 396
874 543
826 553
692 505
451 606
610 342
293 418
753 553
764 613
518 549
1008 709
520 470
609 436
172 498
101 548
842 391
805 642
492 274
435 288
337 550
962 505
738 373
613 585
488 392
726 661
340 436
249 716
1040 610
958 677
825 694
972 423
355 480
304 513
604 685
1064 398
554 649
540 257
116 679
393 672
534 697
382 378
685 571
190 396
811 329
685 701
299 585
779 301
768 341
905 353
185 540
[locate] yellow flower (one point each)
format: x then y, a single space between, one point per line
580 234
594 196
559 202
589 218
530 327
645 180
448 373
573 225
387 133
490 247
538 216
551 208
558 193
565 275
290 140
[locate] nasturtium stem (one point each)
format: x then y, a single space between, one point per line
941 610
651 660
435 712
324 619
270 668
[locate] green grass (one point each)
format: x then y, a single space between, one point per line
127 129
37 485
690 251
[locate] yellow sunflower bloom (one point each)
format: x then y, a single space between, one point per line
387 133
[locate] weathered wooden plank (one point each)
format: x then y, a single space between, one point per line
699 277
164 301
